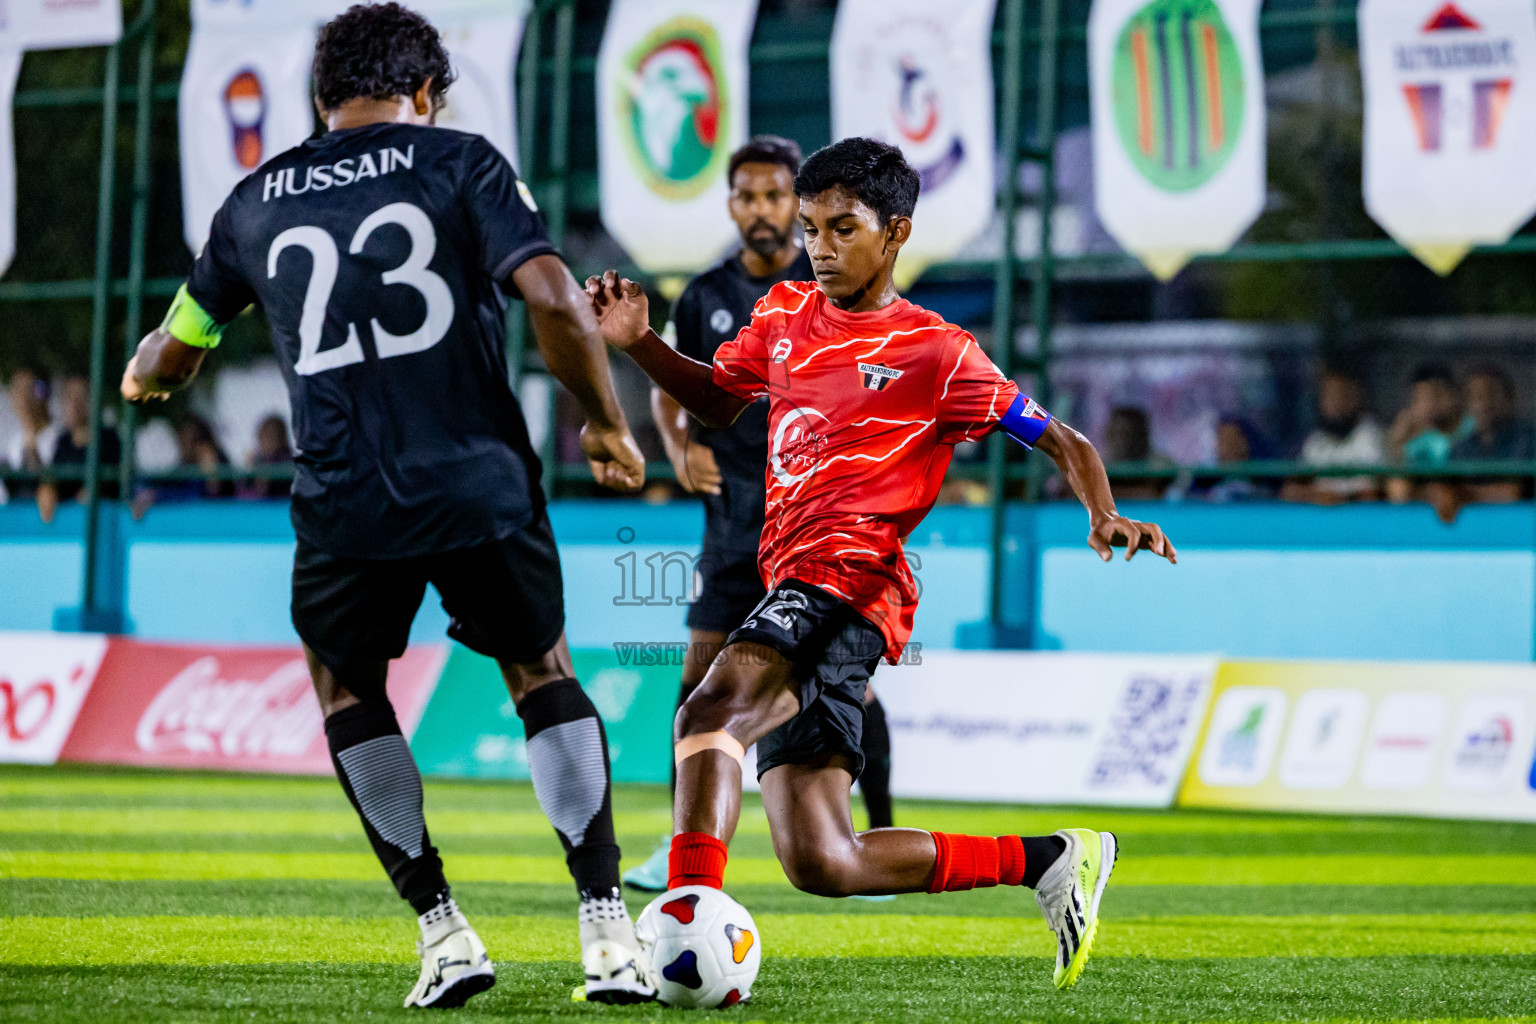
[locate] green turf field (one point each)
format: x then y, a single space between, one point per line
130 896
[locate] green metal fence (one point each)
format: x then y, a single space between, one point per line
1030 34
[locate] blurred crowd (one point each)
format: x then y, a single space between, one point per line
1446 420
51 440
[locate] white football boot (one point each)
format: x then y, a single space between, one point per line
454 964
612 961
1069 894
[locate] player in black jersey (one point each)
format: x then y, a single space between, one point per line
383 253
728 466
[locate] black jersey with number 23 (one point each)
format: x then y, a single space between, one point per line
382 257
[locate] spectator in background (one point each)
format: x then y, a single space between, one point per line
1430 425
1238 440
32 449
1128 438
1497 434
272 449
75 440
196 448
1345 435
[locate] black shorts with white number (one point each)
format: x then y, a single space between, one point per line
504 598
835 651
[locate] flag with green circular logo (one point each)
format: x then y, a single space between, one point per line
672 106
1178 125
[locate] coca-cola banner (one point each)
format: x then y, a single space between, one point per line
232 708
44 678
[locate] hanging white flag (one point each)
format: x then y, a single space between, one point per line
671 107
482 37
40 25
1450 122
245 89
244 97
10 65
1178 125
919 76
50 24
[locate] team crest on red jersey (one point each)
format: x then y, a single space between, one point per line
876 376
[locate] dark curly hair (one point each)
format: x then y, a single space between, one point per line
375 51
874 173
766 149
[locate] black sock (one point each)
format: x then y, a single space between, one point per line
875 780
376 770
1040 852
568 758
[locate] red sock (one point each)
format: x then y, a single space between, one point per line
697 858
976 862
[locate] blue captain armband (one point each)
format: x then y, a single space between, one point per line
1025 421
190 324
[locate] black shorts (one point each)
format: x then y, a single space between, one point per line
727 588
504 597
834 650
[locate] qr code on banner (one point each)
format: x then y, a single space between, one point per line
1141 745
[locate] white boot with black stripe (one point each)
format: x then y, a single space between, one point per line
454 963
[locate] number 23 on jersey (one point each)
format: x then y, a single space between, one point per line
322 280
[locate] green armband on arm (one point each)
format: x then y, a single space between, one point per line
190 324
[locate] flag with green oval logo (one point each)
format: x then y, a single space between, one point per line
1178 125
671 108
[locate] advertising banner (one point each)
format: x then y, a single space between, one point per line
1450 122
1044 728
51 24
471 727
671 107
1177 95
1455 740
919 76
44 678
228 708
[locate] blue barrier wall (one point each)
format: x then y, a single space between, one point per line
1260 581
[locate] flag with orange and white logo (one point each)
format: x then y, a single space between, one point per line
1450 122
1177 92
244 96
245 89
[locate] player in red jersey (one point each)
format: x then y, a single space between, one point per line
868 396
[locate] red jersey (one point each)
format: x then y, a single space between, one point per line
864 412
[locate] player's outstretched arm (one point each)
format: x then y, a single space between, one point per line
623 314
568 339
161 365
1075 456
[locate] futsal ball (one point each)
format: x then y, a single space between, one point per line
703 946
